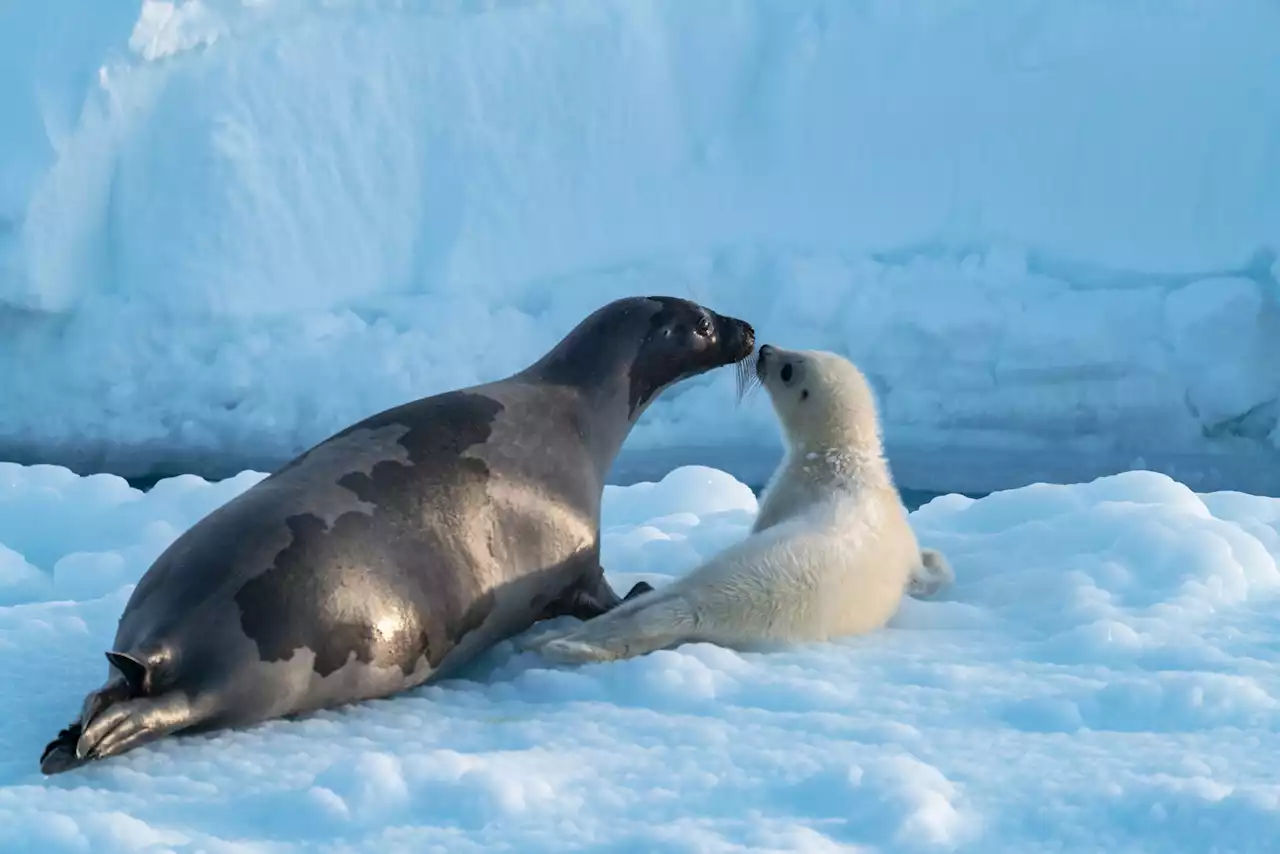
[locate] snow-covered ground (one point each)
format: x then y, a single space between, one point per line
1101 678
1047 230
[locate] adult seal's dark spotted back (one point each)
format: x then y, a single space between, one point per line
397 550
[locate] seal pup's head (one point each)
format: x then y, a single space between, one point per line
634 348
824 403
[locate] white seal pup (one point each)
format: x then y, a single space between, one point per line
831 553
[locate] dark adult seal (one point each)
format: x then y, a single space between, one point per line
395 551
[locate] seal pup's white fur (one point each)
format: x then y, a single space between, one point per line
831 552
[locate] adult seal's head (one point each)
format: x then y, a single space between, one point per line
631 350
654 342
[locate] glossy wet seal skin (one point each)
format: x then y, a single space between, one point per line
397 550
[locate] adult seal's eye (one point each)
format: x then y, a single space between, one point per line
786 373
704 326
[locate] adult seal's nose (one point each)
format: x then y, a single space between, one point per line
738 335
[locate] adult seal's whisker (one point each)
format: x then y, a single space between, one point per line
745 379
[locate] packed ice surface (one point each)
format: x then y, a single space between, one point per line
1102 677
1047 230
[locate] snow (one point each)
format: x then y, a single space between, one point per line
1101 677
1047 230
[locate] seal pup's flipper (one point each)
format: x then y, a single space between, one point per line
931 576
569 649
645 626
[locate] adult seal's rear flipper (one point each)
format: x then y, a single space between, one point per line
60 754
136 673
124 683
118 717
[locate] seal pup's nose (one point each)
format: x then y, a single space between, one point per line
762 356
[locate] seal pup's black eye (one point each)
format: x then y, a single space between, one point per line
785 373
